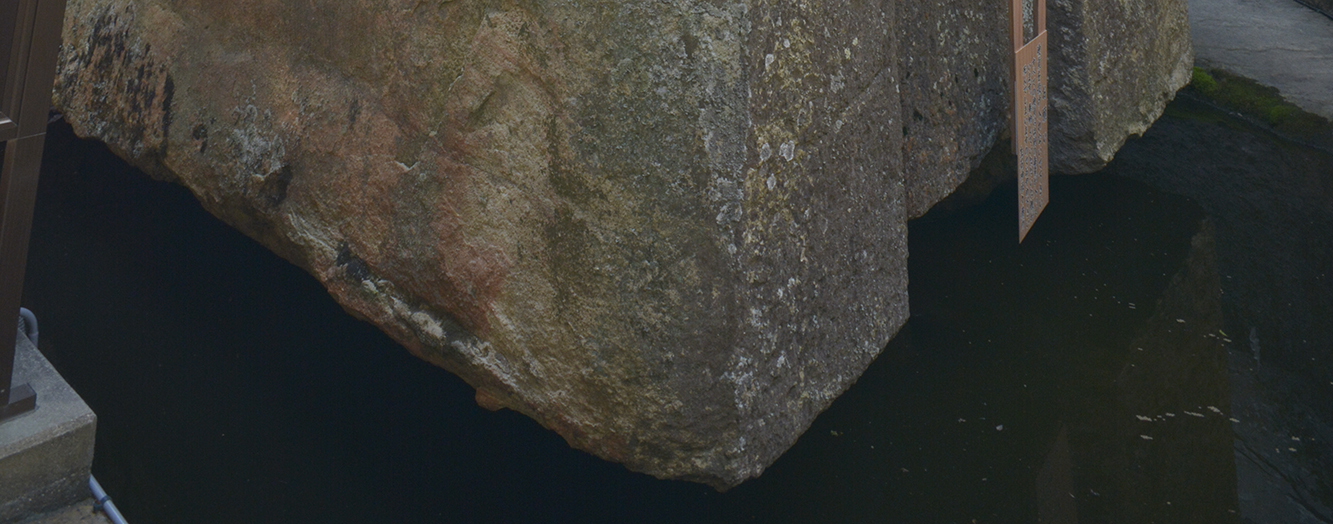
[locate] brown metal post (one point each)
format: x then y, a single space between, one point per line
18 184
29 69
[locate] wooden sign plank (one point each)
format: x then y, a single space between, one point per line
1030 116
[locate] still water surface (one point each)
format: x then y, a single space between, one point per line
1085 376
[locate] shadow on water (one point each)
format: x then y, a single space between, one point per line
1070 379
1272 202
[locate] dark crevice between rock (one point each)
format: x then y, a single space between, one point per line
168 92
353 265
200 135
273 190
997 167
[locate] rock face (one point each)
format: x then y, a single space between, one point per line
1119 63
672 232
1114 66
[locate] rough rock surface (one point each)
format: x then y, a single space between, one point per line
672 232
1118 64
1114 66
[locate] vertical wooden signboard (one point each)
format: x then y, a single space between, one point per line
1029 118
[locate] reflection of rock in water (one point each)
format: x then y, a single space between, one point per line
1271 203
1152 439
1055 485
1010 346
1254 347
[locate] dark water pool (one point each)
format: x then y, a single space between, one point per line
1089 375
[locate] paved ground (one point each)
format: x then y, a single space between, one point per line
1276 42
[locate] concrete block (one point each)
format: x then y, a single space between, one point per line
81 512
46 455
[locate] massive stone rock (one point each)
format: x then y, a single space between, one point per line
1114 66
672 232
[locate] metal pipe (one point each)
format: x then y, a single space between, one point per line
103 502
29 324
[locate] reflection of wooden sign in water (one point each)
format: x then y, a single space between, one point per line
1029 117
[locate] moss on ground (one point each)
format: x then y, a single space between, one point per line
1260 102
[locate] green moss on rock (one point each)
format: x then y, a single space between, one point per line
1262 103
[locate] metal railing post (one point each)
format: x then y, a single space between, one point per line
29 43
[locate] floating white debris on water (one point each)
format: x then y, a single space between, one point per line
1193 414
835 433
1140 349
1180 321
999 427
1223 333
1214 410
1143 418
905 470
1297 439
1293 450
1234 419
1170 414
1145 437
960 421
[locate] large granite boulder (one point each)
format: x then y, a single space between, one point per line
672 232
1114 66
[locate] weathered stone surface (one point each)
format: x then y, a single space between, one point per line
672 232
1114 66
955 67
1118 64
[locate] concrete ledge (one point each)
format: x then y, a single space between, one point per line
81 512
45 455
